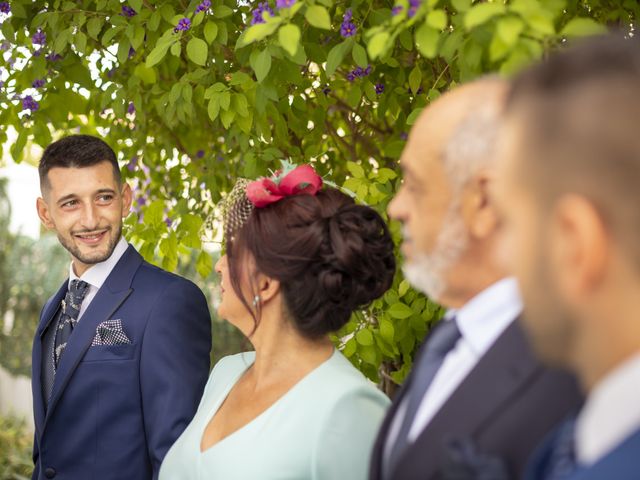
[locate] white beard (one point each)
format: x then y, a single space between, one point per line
426 271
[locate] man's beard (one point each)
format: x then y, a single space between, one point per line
426 271
92 260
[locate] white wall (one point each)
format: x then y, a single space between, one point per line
15 397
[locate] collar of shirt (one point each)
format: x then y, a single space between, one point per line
611 413
483 318
98 273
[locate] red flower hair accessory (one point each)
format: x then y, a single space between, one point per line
291 180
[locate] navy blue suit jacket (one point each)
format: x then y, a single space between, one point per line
622 463
116 410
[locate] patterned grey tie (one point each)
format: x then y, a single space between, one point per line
67 321
439 343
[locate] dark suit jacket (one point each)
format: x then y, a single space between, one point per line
116 409
505 406
622 463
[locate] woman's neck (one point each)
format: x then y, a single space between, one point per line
283 353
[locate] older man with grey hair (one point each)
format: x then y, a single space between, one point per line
477 401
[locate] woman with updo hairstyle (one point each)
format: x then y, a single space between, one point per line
300 258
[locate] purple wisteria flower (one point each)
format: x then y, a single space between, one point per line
358 72
200 153
28 103
379 88
38 83
53 57
4 46
39 38
326 90
396 10
141 201
285 3
133 163
204 6
131 108
183 25
257 13
413 7
132 52
4 7
168 222
127 11
404 135
348 28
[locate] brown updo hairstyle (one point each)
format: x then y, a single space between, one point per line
330 255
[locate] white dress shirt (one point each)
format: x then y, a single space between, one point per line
96 274
611 413
481 321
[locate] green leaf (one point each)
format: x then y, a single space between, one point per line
509 30
62 41
378 44
400 311
146 74
354 96
356 170
17 149
197 51
222 11
289 37
386 329
94 25
259 31
157 54
364 337
403 288
261 63
359 55
461 5
481 13
335 57
204 264
437 19
427 41
153 213
580 27
176 49
318 17
213 109
136 5
413 116
350 348
81 42
415 78
210 32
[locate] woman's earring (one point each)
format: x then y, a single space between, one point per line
256 301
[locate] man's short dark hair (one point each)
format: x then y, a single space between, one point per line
76 151
578 114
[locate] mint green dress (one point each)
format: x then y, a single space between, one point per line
321 429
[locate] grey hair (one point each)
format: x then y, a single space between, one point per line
473 142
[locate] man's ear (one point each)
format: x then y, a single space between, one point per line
582 246
478 210
127 198
44 213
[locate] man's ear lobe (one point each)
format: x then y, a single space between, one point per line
479 211
43 212
127 198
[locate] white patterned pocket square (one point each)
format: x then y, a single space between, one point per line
110 332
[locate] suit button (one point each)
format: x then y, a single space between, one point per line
50 472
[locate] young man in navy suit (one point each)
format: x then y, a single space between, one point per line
569 187
121 355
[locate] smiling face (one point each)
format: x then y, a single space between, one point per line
85 207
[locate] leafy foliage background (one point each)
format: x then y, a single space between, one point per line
190 105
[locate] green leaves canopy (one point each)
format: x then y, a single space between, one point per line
190 110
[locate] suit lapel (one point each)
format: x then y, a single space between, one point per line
500 373
48 313
110 296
